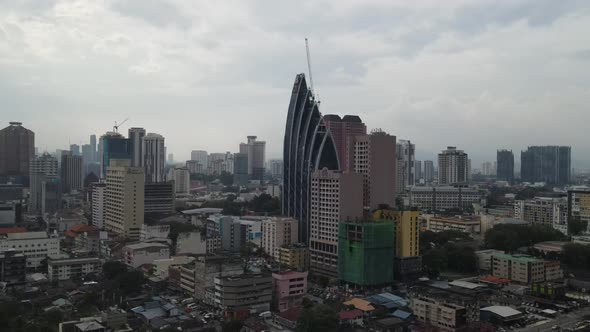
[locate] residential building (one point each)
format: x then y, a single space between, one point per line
525 269
464 224
136 136
17 149
505 165
304 120
182 180
197 243
159 197
256 151
294 257
153 158
453 166
124 201
36 246
334 198
278 232
243 295
72 268
484 258
405 153
444 197
366 251
200 157
428 171
200 275
374 158
138 254
162 266
418 173
549 211
114 146
46 164
289 288
13 265
241 176
549 164
343 130
578 204
45 193
194 167
154 233
276 168
98 204
71 172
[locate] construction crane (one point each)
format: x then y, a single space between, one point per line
309 70
116 126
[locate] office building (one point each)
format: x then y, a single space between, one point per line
343 130
182 180
243 295
136 136
46 164
335 197
256 151
93 150
72 268
505 165
200 276
87 154
36 246
295 256
241 169
71 172
406 230
444 197
75 150
428 171
278 232
276 168
301 157
453 166
45 194
98 204
488 169
153 158
159 197
138 254
418 173
464 224
194 167
578 204
201 157
374 158
549 164
124 200
525 269
113 146
17 149
405 153
289 288
13 265
366 251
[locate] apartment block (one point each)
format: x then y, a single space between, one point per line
243 295
66 269
524 269
36 246
124 200
444 197
464 224
278 232
289 288
139 254
294 256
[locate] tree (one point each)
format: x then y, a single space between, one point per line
233 325
112 269
511 237
265 203
130 282
319 318
576 255
576 226
177 228
435 261
461 258
226 178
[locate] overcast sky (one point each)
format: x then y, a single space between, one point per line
479 75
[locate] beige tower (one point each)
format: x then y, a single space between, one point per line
124 203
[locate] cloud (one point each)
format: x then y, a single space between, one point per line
480 75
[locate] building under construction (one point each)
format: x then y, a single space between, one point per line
366 251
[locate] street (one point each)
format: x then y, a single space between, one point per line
565 321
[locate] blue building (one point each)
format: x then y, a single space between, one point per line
114 146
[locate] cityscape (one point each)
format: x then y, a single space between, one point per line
350 226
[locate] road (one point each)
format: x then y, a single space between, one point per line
564 321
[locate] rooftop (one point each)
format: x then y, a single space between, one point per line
67 261
524 259
360 304
13 230
351 314
145 245
505 312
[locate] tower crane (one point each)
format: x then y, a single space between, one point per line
116 126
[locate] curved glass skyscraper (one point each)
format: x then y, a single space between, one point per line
308 146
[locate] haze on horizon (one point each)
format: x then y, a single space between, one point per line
479 75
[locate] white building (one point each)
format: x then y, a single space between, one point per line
453 166
46 164
139 254
428 171
278 232
543 210
124 202
161 266
201 157
66 269
154 157
98 204
182 180
484 258
405 153
197 243
276 168
444 197
154 232
36 246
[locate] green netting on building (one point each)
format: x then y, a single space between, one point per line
366 251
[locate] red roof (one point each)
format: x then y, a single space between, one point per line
291 314
13 230
81 228
495 280
351 314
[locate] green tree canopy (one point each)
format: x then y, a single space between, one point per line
319 318
511 237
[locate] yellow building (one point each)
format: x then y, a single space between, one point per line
294 256
407 230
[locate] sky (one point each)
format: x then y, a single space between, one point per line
479 75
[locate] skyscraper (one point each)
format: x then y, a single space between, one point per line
93 149
201 157
550 164
405 153
453 166
71 172
276 168
136 138
374 157
256 157
124 200
44 185
98 204
418 171
153 158
75 150
308 146
17 148
45 163
334 198
113 146
428 171
87 154
240 169
342 131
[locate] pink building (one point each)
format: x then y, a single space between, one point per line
289 289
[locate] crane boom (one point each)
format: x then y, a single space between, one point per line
116 126
309 66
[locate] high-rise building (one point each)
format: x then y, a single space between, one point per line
124 200
113 146
428 171
374 157
578 205
98 204
335 197
201 157
276 168
276 233
93 149
308 146
87 154
153 158
256 157
17 148
418 174
46 164
487 168
240 169
75 150
182 180
453 166
171 158
136 136
342 131
44 184
71 172
550 164
159 197
405 153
